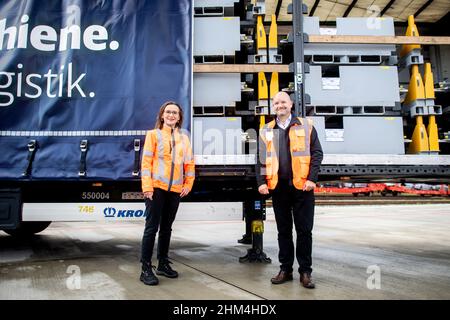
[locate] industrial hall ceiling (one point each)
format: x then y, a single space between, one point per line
425 11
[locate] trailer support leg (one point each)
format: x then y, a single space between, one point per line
256 252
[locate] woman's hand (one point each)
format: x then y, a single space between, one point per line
184 192
263 189
148 195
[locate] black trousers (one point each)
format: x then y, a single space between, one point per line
160 213
294 206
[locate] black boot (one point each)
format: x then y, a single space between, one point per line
147 275
164 269
246 239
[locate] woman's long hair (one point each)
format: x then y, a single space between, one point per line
159 119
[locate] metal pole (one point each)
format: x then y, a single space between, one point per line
299 59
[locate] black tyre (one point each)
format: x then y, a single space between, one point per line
28 228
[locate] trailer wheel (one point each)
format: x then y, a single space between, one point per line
28 228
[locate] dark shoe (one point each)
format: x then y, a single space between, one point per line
306 280
281 277
147 275
164 269
245 239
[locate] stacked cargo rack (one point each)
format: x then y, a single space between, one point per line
347 82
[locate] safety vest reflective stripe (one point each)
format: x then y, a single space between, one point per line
298 153
183 147
160 173
178 181
181 169
166 180
306 128
148 153
161 169
160 142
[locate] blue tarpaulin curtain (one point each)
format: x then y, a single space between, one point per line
58 88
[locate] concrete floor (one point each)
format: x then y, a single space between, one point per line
410 244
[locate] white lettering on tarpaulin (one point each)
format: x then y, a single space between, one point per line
62 83
59 85
46 38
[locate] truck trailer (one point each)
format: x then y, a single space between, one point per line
81 82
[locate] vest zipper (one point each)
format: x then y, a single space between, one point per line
172 167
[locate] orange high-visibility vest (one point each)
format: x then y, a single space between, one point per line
167 161
300 139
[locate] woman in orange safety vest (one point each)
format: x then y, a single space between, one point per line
167 174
